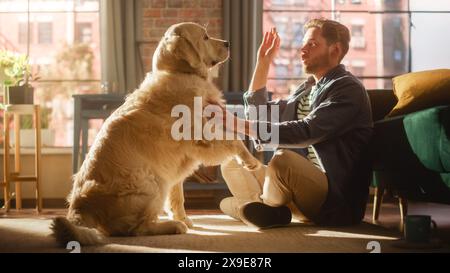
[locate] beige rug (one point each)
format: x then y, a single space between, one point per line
212 233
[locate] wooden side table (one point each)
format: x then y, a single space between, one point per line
16 177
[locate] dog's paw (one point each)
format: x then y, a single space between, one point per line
180 227
185 220
252 165
248 162
188 222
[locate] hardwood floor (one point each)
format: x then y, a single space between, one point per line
208 204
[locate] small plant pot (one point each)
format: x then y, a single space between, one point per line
19 94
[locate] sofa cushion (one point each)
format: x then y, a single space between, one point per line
420 90
427 134
444 116
446 178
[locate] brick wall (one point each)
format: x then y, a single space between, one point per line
158 15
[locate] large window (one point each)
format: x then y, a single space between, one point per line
388 38
61 38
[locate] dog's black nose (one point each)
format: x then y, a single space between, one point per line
227 44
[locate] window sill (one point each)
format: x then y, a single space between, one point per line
44 151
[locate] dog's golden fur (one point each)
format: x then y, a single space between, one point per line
134 164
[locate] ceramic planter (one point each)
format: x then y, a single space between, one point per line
19 94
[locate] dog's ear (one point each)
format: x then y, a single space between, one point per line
183 49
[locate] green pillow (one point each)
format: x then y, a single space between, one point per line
426 134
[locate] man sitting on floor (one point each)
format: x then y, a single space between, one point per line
328 119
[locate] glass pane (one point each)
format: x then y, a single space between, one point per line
64 50
49 5
61 47
87 33
56 101
435 5
87 5
59 56
430 49
13 36
64 5
379 42
337 5
296 5
13 5
388 5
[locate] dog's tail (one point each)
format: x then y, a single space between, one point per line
65 231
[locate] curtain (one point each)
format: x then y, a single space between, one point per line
242 26
120 57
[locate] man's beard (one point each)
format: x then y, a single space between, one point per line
317 63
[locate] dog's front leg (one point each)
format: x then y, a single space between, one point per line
244 157
176 203
215 152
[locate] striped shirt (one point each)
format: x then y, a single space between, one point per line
303 110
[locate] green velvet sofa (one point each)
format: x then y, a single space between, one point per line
410 153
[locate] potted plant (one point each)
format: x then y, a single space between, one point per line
15 75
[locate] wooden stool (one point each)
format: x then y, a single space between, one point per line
17 110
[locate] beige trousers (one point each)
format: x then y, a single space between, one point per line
288 179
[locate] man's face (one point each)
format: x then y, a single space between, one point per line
315 52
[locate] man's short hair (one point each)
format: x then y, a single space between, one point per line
332 31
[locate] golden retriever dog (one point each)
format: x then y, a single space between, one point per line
135 165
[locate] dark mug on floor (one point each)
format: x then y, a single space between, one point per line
417 228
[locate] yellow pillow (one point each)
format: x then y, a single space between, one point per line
420 90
